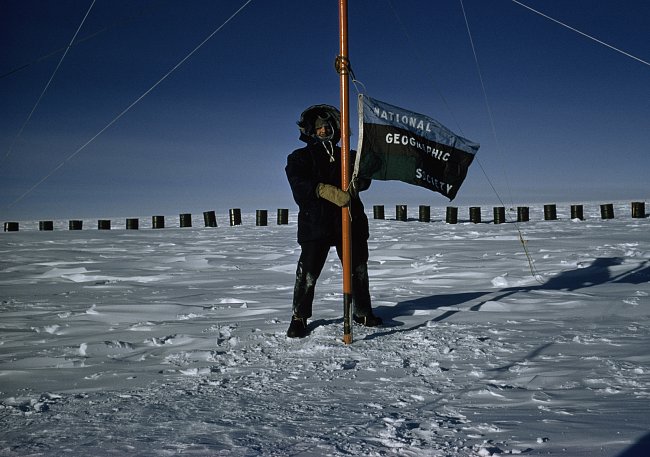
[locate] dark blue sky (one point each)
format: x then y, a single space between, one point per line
571 116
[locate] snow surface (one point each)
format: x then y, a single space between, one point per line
172 341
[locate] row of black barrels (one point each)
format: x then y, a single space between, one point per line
261 216
523 213
158 222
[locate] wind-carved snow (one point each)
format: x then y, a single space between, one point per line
161 342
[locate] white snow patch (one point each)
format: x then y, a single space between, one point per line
174 342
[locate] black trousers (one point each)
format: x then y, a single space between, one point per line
311 262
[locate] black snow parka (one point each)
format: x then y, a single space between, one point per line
320 162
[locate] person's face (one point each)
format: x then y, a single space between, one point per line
323 131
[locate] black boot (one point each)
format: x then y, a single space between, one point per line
303 290
297 328
362 309
369 321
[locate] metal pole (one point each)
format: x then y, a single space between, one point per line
345 170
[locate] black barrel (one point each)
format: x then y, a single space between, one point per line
11 226
638 210
577 213
401 212
452 215
283 216
499 214
132 223
75 225
210 218
424 213
550 212
158 222
607 211
103 224
378 211
261 218
185 220
235 217
475 214
45 226
523 214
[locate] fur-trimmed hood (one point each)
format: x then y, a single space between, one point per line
308 119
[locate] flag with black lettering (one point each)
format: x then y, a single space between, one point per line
396 144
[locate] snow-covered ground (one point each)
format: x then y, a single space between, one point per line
172 341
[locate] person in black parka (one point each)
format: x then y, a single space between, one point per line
314 174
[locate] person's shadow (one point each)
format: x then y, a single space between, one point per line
599 272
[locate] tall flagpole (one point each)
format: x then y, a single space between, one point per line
342 68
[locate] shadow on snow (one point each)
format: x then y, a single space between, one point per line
597 273
639 449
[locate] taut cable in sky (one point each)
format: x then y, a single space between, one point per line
48 84
128 108
582 33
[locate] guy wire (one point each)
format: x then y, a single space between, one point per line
582 33
128 108
531 262
99 32
47 85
